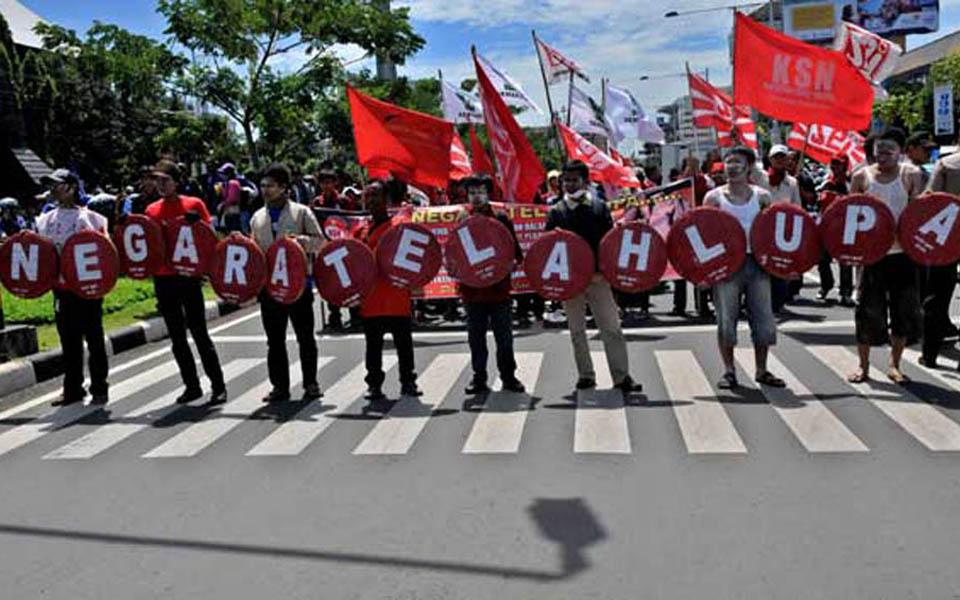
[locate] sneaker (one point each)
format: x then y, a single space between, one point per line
477 387
512 384
218 396
189 395
822 296
374 394
585 383
99 399
410 389
276 396
312 391
628 385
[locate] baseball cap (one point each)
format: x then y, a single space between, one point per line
778 149
552 174
923 140
60 176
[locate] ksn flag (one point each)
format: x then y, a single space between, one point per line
557 67
714 108
413 146
460 106
790 80
459 161
520 170
602 167
507 88
822 143
480 162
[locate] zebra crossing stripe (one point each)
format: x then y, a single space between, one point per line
399 429
704 424
818 429
295 435
111 434
600 422
37 428
949 378
498 429
926 424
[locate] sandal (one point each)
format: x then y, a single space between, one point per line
728 381
858 377
897 377
768 378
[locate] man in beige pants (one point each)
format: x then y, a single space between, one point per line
580 213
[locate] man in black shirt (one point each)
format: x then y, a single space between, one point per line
835 186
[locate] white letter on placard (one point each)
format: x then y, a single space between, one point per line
406 249
336 258
136 248
28 263
474 256
185 247
780 239
558 263
280 273
628 247
85 258
942 224
236 261
859 218
704 254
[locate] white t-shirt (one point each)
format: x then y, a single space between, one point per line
60 223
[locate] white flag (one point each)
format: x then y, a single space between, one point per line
556 66
872 55
510 91
629 119
460 106
586 116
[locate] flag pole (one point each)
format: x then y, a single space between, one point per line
693 122
546 88
570 99
803 151
603 108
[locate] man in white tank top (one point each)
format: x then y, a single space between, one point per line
888 309
744 201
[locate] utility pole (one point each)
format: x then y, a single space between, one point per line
386 69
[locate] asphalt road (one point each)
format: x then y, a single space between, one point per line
823 491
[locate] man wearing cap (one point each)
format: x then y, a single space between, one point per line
937 283
580 213
179 298
78 319
554 192
783 187
280 217
836 185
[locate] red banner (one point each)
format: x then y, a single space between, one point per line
459 161
822 143
790 80
479 161
714 108
602 167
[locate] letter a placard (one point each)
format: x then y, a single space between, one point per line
345 270
409 256
633 257
239 269
857 230
928 229
559 265
286 270
28 264
784 241
190 247
89 264
706 245
480 252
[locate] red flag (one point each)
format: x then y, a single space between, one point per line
459 161
787 79
411 145
714 108
602 167
480 161
520 170
822 143
616 156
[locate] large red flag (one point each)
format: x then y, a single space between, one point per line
520 170
459 161
480 161
790 80
714 108
415 147
822 143
602 167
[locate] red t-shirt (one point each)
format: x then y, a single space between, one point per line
385 299
167 211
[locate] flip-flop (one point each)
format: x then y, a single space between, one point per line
728 381
858 377
768 378
899 379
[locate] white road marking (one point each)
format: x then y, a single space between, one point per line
600 425
498 429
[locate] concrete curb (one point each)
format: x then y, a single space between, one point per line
19 374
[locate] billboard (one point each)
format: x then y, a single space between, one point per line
817 20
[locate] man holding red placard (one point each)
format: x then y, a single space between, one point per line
744 201
278 218
180 299
78 319
889 305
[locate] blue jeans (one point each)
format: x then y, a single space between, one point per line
496 315
755 282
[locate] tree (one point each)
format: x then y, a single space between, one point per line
241 46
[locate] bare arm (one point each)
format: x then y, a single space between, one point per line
938 181
764 198
913 181
859 183
713 197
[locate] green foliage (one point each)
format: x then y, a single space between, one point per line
39 311
947 70
909 106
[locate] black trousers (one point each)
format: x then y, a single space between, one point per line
79 319
827 279
275 317
180 301
936 291
482 316
401 330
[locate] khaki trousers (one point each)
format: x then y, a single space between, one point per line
600 297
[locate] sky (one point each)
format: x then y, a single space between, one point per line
618 39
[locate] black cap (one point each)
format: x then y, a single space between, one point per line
923 140
60 176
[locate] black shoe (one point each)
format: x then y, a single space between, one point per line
512 384
410 389
218 396
311 391
524 323
585 383
847 301
99 399
374 394
629 386
678 313
928 363
276 396
189 395
477 387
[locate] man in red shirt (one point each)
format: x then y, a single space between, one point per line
385 308
328 197
180 299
